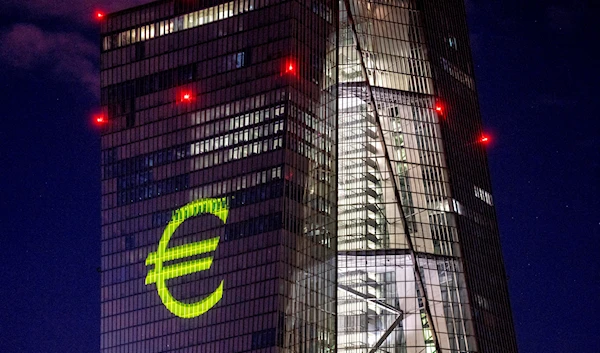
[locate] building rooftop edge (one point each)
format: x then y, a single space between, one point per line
109 15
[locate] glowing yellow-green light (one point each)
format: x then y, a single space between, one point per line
162 273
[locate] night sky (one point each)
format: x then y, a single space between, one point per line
537 78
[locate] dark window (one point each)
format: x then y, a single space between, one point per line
140 50
263 339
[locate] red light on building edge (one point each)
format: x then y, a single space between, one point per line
99 15
438 108
484 139
100 119
290 67
186 97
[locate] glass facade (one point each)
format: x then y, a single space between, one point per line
420 267
401 283
218 177
296 176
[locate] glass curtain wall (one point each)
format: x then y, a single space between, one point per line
233 106
309 270
395 205
462 129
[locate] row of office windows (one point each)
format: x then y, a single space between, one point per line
133 166
239 152
135 180
179 23
213 189
484 196
120 272
114 168
153 189
166 186
148 84
240 119
233 231
311 121
169 124
153 333
458 74
139 241
234 138
164 119
169 155
137 244
170 78
202 46
140 308
210 152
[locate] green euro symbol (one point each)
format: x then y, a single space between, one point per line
161 273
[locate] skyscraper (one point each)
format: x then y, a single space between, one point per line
296 176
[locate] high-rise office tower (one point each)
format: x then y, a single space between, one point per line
296 176
420 266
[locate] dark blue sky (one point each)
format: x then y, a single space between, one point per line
537 79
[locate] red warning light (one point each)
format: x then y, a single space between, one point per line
186 97
100 119
99 15
439 109
290 67
484 139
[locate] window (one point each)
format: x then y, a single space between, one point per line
484 196
452 43
239 60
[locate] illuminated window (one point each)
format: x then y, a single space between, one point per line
452 43
239 59
484 196
179 23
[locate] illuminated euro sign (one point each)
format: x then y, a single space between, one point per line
161 272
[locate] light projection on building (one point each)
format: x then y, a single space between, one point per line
161 272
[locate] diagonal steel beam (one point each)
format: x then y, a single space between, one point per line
372 299
387 333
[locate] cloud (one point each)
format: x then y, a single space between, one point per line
68 56
81 11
